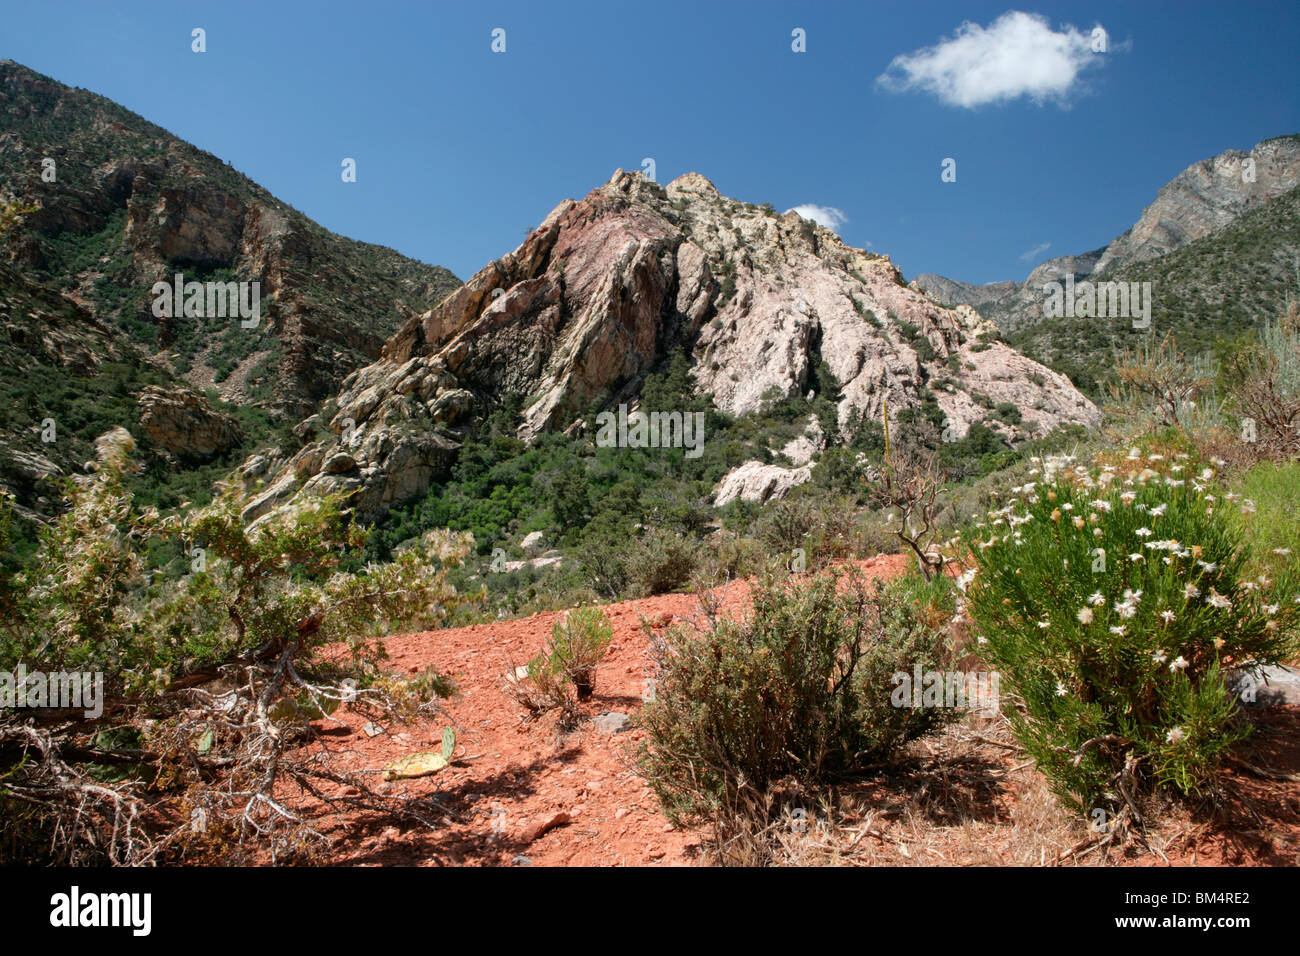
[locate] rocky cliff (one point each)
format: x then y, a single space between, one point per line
1203 199
599 294
124 204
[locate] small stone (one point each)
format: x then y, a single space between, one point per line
521 860
535 830
610 722
371 730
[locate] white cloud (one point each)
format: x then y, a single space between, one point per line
1035 252
827 216
1019 54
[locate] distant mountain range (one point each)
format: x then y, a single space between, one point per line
1221 244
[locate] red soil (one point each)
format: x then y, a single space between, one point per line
513 782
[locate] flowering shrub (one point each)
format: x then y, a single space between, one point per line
1113 602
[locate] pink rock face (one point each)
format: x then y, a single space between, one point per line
607 286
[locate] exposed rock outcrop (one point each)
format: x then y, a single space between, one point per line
757 482
161 207
183 423
598 295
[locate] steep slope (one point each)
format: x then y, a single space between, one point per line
130 204
1207 197
1214 288
598 295
67 376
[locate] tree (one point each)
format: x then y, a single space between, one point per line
212 681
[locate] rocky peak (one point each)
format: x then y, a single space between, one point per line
1207 196
599 294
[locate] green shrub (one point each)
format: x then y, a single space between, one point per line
658 562
1113 604
578 642
799 688
1008 412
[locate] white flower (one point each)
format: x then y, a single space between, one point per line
1159 657
1084 615
1210 566
1217 600
1097 599
1282 551
1100 505
1248 507
1190 591
1061 690
1159 509
1118 629
1135 558
1175 736
1179 664
1270 609
1044 624
1143 532
1168 616
1125 611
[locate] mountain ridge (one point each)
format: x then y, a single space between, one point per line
1206 197
597 296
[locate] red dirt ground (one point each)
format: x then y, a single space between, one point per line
512 778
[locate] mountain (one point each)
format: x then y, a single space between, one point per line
1207 294
608 287
115 204
1206 198
130 205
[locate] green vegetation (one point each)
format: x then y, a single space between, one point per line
800 688
1114 603
1209 292
261 604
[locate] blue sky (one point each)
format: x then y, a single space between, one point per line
460 149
